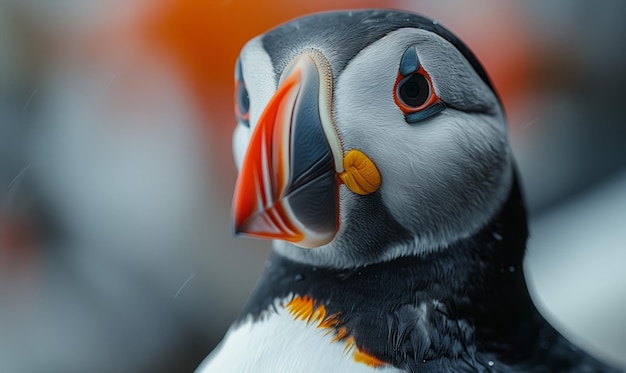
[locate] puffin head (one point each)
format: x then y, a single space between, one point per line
364 136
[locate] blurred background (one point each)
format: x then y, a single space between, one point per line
116 174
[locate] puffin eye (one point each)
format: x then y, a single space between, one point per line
414 90
242 99
415 96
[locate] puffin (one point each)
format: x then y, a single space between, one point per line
372 149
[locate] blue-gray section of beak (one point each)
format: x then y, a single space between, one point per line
313 189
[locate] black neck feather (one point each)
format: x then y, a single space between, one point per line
470 298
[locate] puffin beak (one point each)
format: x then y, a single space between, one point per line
288 188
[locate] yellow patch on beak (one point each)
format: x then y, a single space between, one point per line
360 174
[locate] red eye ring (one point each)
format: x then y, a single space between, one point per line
419 80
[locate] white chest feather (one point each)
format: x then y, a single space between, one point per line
282 343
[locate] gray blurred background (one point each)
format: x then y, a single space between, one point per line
116 175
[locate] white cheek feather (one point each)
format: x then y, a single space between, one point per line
241 139
277 343
442 178
259 77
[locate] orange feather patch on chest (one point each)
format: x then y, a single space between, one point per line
305 308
